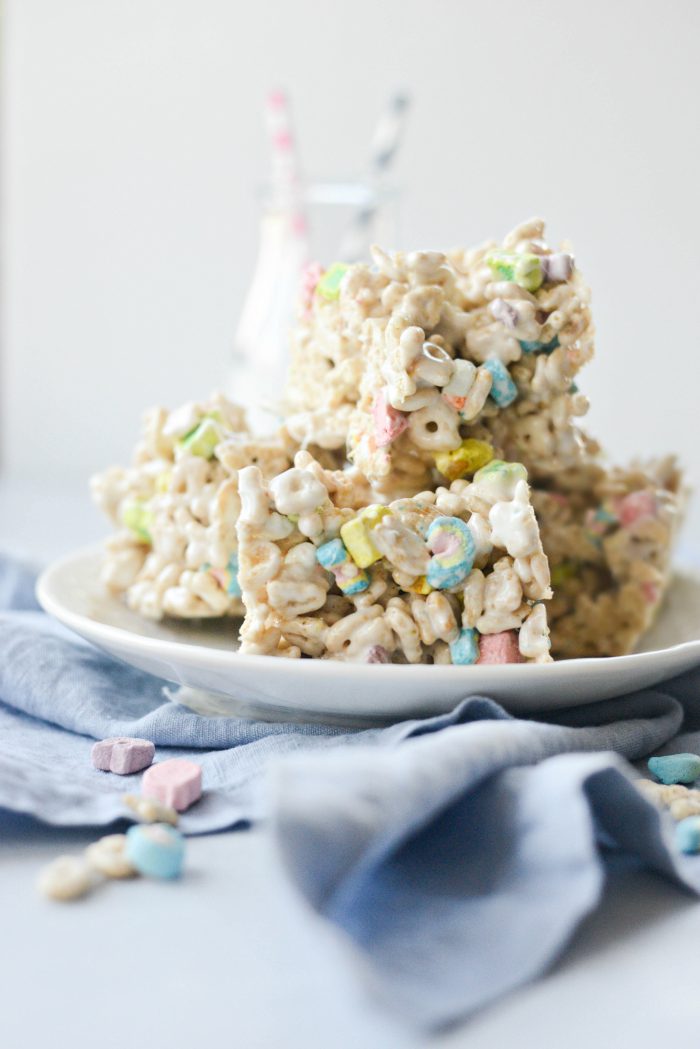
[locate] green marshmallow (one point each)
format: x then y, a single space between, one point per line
137 516
203 439
329 285
498 480
523 269
498 467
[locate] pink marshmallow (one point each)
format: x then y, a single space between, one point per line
122 755
310 277
176 782
499 648
388 421
651 592
637 506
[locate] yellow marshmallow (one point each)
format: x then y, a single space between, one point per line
362 550
470 456
421 586
356 535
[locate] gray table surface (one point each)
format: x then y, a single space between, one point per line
231 956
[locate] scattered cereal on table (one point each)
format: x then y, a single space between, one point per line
156 850
66 878
176 782
688 835
149 810
108 857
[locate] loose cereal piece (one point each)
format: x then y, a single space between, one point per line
148 810
157 850
688 835
122 755
675 768
66 878
108 857
661 794
175 782
683 807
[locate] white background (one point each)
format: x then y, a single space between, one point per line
133 143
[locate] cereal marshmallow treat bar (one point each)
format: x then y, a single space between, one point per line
430 365
608 533
452 576
175 551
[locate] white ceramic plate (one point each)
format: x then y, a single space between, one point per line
203 656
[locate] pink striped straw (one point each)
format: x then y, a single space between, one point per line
286 175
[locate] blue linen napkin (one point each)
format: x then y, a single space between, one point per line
459 853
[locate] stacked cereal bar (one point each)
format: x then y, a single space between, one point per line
608 534
455 575
425 390
175 508
428 365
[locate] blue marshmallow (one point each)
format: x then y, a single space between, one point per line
539 347
234 587
334 557
503 390
464 650
331 554
688 834
156 850
676 768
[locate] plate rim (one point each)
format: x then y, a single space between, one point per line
202 653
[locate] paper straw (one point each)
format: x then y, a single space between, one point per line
286 175
385 145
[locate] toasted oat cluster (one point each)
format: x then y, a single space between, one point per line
390 518
455 575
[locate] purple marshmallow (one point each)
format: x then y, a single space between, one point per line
122 755
378 654
557 268
505 312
